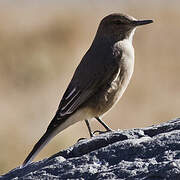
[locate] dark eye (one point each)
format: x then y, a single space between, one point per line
117 22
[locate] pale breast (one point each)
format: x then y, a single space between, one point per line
121 80
105 99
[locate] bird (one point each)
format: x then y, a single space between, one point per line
99 80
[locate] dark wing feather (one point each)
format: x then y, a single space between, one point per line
90 75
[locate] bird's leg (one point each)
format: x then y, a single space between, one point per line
89 129
104 125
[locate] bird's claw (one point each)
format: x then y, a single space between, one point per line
80 139
101 132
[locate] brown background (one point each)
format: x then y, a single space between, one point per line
42 42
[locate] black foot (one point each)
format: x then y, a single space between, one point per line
101 132
81 139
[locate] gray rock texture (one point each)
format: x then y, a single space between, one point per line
151 153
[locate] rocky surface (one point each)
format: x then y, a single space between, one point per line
151 153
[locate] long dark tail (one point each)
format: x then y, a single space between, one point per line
55 127
38 146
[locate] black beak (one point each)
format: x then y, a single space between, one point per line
142 22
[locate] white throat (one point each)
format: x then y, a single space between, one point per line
131 35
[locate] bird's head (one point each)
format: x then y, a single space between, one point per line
119 26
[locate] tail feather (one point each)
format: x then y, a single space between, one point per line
38 146
56 126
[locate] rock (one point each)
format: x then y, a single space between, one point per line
151 153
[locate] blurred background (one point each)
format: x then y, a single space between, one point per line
42 42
